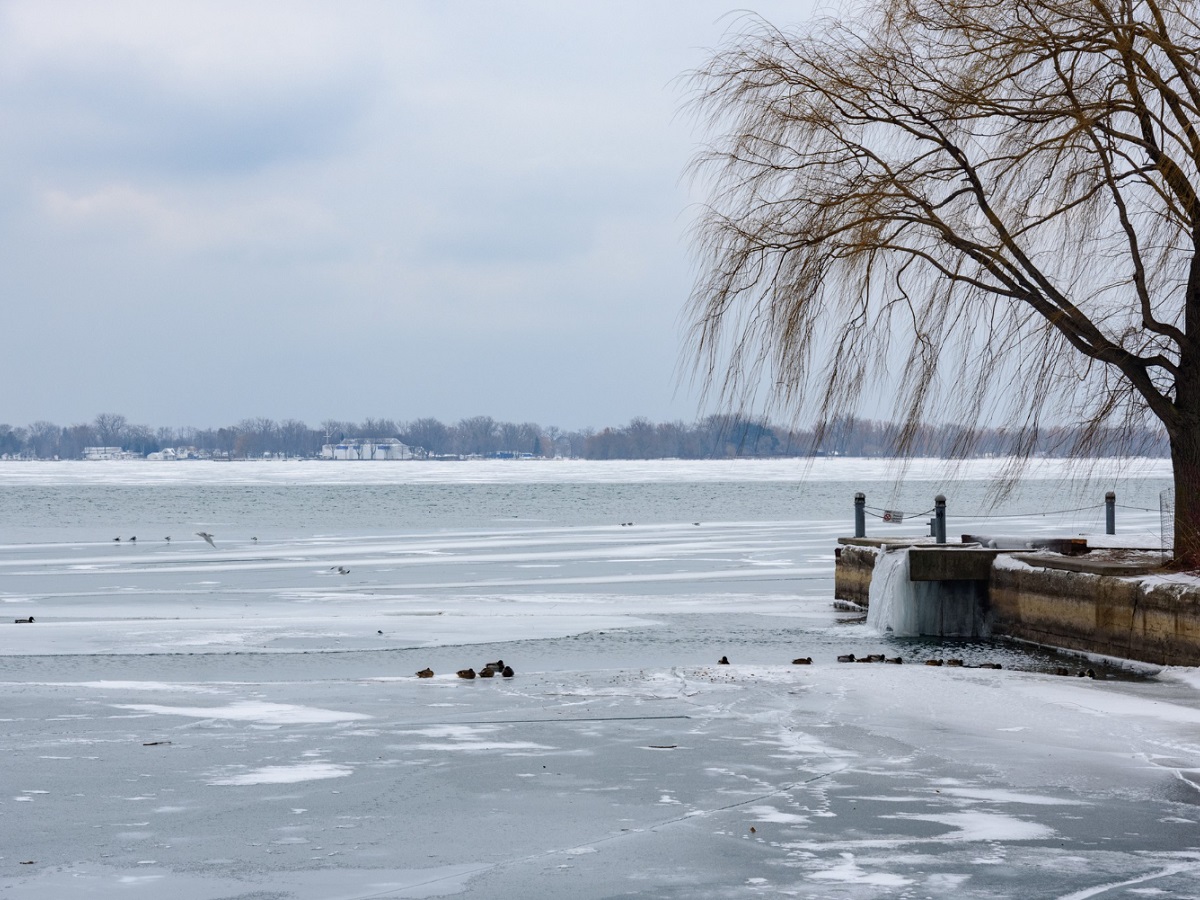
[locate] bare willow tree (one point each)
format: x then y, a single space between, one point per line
990 203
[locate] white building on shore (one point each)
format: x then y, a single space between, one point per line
367 448
108 453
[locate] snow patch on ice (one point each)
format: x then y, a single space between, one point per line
454 732
253 711
468 738
848 872
1001 796
945 881
771 814
984 826
286 774
484 745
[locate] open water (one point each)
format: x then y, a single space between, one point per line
74 501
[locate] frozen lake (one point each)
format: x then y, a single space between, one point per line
245 722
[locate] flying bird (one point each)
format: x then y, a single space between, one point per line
207 537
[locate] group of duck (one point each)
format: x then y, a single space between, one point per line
1082 673
894 660
489 670
897 660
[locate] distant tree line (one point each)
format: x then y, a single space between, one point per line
713 437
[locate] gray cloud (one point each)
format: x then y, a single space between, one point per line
215 210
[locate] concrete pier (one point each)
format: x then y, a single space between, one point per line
1113 607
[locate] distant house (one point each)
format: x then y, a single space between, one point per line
108 453
367 448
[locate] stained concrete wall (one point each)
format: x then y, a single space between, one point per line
951 562
1117 616
1121 617
852 571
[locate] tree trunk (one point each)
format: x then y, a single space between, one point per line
1185 459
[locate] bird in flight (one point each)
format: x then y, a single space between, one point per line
208 537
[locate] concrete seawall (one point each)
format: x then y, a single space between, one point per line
852 571
1114 610
1116 616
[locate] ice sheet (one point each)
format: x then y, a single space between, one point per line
557 471
198 723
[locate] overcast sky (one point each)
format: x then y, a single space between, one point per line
219 210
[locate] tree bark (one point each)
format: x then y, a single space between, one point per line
1185 459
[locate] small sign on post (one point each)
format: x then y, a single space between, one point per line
894 516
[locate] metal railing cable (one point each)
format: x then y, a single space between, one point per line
878 513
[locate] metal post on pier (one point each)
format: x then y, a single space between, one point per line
1110 513
860 515
939 519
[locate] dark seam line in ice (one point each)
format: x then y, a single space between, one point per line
761 797
552 721
408 887
608 838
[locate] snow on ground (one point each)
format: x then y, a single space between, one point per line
244 722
